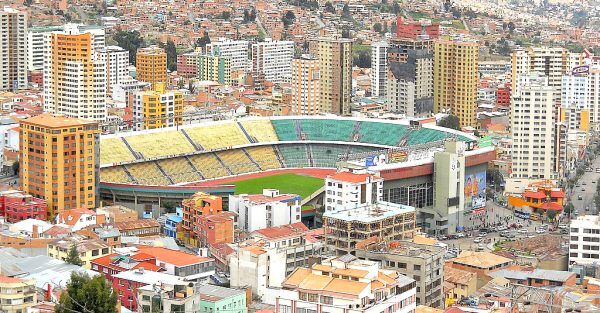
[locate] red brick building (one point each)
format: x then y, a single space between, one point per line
503 96
216 228
414 30
17 206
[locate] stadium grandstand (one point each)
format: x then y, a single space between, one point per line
202 152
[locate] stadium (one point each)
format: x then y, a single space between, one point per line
154 165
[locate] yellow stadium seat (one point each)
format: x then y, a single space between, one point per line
208 165
115 174
114 150
160 144
147 173
265 157
261 130
237 161
179 170
217 136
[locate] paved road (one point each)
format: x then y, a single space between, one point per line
586 189
493 214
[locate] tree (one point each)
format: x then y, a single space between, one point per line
87 295
346 10
511 26
203 41
551 214
329 7
130 41
377 27
191 87
73 256
288 19
225 15
363 59
568 208
171 51
450 121
253 15
169 206
246 16
345 33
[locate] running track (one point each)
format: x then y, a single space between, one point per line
314 172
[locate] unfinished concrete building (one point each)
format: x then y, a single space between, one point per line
422 262
386 220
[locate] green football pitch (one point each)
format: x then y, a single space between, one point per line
286 183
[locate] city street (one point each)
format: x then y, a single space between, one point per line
585 189
493 214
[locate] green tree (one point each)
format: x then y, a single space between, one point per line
130 41
169 206
377 27
171 51
345 33
568 208
288 19
346 11
203 41
329 7
73 256
85 294
551 214
449 121
225 15
363 59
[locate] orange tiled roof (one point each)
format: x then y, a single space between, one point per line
174 257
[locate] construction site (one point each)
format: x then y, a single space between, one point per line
385 220
545 252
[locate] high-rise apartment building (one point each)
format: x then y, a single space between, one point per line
13 49
583 243
273 59
236 50
379 67
157 108
151 65
38 42
582 89
305 85
60 161
214 68
410 77
546 61
533 115
455 79
335 64
74 76
116 60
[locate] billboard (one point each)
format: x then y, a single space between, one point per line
475 190
374 160
583 70
398 156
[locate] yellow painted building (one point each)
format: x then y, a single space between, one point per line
88 249
16 294
455 79
214 68
335 68
151 65
157 108
59 161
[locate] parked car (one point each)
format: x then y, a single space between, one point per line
480 247
478 240
501 228
523 231
540 230
563 226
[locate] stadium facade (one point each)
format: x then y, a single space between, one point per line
143 168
